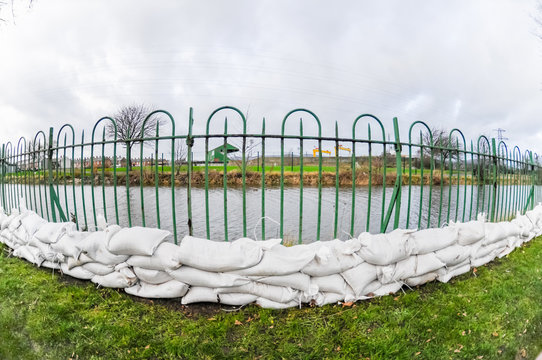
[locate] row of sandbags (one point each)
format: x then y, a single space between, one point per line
144 264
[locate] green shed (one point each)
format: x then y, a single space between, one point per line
217 154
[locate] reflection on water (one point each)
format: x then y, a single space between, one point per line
445 203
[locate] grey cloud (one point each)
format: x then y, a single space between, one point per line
69 62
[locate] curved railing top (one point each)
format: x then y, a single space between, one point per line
335 189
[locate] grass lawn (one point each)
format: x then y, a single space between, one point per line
494 313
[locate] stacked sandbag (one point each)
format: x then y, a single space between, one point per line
23 228
215 269
535 216
149 256
143 263
8 226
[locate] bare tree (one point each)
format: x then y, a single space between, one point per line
250 152
9 6
444 147
130 127
181 151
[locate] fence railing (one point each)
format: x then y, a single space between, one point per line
221 184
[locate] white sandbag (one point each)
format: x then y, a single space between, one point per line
196 277
76 272
81 260
20 236
385 249
219 256
325 298
98 269
359 277
275 293
507 250
469 232
422 279
235 299
165 257
485 250
333 257
67 244
15 223
388 289
7 221
154 277
446 274
369 290
281 260
46 250
95 246
297 281
117 279
199 294
535 216
495 232
413 266
498 251
168 290
429 240
9 242
454 254
54 265
52 232
29 253
476 262
137 240
32 223
5 235
3 215
525 225
515 242
331 283
270 304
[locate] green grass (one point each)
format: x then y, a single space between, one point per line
493 314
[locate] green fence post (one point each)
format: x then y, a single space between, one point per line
50 172
396 196
189 144
494 198
3 172
54 198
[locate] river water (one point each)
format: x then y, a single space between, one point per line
462 208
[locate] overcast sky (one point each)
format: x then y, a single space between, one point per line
474 65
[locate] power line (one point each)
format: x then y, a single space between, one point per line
500 136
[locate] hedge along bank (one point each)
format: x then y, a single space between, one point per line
141 261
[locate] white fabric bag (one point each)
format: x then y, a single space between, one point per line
359 277
168 290
166 257
200 294
196 277
385 249
219 256
137 240
430 240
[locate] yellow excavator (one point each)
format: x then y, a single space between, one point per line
341 148
315 151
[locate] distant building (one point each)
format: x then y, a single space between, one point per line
219 155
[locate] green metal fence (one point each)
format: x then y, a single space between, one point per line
365 182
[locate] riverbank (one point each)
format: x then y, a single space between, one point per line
492 312
254 178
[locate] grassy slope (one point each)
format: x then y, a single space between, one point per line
495 313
